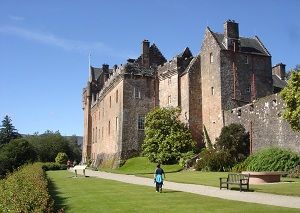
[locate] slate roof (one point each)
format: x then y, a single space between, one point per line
247 45
277 82
96 72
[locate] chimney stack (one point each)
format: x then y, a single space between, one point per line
145 54
231 35
279 70
231 29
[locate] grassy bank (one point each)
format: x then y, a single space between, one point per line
98 195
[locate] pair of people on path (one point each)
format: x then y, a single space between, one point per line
159 176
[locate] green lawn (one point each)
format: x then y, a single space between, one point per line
98 195
288 186
141 165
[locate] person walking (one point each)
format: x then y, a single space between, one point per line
159 176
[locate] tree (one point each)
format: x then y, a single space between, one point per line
291 96
166 138
7 131
75 150
48 145
14 154
61 158
234 140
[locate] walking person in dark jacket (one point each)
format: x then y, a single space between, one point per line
159 176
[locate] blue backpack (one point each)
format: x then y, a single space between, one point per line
158 178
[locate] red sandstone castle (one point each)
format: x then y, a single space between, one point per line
219 86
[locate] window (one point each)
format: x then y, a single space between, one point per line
99 134
141 122
117 96
246 60
108 127
274 102
248 89
109 101
102 132
96 135
212 90
169 81
117 124
211 58
137 93
239 112
169 99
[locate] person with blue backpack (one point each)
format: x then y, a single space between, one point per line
159 177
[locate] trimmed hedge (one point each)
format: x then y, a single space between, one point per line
26 190
52 166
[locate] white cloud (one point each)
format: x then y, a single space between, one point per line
54 40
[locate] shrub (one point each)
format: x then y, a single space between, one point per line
52 166
273 159
214 160
234 140
14 154
61 158
185 157
295 172
26 190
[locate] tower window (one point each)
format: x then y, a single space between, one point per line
141 122
117 96
248 89
246 60
212 90
108 127
169 99
110 101
117 124
137 93
169 81
211 58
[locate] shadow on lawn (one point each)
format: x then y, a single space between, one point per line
59 202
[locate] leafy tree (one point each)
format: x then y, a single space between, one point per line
14 154
166 138
291 96
7 131
61 158
75 150
234 140
49 144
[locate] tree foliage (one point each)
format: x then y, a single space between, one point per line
61 158
48 145
234 140
14 154
166 138
291 96
7 131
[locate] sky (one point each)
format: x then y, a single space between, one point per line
45 46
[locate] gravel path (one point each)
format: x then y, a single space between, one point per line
251 197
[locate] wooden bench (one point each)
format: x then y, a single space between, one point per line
235 179
80 167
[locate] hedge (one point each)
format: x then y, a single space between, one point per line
26 190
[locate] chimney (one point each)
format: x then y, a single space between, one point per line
231 29
145 54
231 35
279 70
105 69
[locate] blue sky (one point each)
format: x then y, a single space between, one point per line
44 46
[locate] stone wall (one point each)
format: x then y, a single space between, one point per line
106 134
211 85
195 99
262 119
138 96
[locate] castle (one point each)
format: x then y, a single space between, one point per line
229 77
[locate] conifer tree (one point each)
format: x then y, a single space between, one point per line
7 131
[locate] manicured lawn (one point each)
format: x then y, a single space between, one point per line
98 195
288 186
141 165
